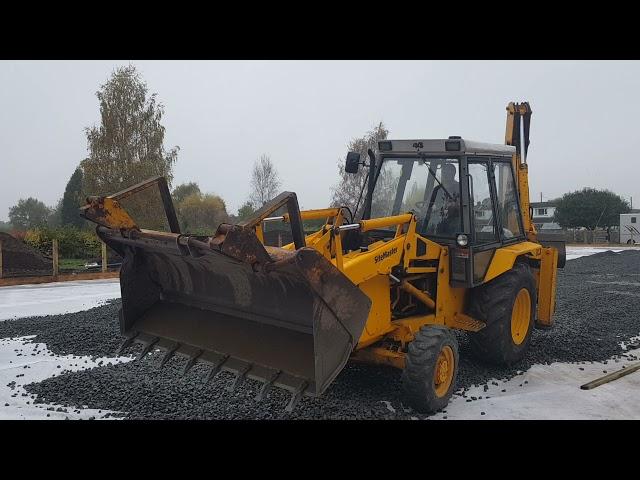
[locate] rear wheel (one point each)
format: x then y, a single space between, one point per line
431 367
508 306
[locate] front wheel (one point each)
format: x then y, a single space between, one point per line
431 368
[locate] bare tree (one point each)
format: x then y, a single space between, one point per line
265 181
347 191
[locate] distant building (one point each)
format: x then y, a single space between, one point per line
543 213
483 212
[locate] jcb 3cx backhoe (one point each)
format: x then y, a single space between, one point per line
445 242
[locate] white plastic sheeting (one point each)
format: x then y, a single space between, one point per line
17 364
55 298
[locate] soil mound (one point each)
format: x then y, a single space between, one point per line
19 259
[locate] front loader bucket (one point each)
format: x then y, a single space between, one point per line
285 318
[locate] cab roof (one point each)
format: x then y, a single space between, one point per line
444 146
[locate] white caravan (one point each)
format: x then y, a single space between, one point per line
630 228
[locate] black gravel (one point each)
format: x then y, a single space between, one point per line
597 308
92 332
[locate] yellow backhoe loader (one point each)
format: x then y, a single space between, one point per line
445 241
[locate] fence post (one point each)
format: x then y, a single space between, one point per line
104 257
55 257
0 258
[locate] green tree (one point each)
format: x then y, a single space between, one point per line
127 147
55 217
347 191
29 213
183 190
590 208
5 226
200 213
72 200
245 211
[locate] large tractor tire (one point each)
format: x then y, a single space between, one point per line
431 368
508 306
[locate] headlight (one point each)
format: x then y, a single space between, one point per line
462 240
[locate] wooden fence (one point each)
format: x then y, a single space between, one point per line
56 276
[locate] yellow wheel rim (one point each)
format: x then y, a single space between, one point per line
521 316
445 366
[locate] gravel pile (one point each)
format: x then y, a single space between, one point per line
19 258
93 333
597 308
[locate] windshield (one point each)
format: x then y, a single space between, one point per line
408 185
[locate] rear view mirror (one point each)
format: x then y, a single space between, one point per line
352 163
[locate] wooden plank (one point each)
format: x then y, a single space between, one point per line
65 277
612 376
104 257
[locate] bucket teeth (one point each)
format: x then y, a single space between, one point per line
295 397
191 362
170 353
267 385
240 377
215 368
124 345
147 347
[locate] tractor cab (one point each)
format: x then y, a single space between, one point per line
463 194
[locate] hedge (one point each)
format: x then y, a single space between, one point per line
72 242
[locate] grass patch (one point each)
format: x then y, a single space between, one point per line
71 264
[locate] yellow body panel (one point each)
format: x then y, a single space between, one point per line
380 356
376 261
379 321
450 300
505 257
547 286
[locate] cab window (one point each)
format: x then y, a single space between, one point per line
409 185
507 200
441 212
483 221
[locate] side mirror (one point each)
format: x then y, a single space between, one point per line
352 163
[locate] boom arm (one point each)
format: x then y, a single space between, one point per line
517 134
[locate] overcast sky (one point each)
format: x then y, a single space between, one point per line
224 114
